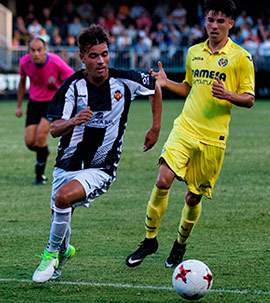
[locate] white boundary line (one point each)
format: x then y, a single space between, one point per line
230 291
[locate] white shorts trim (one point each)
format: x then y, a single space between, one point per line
94 181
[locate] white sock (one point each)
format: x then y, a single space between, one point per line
59 226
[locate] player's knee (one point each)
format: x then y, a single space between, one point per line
31 144
61 200
163 183
193 199
42 139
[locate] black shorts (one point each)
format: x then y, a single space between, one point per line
35 111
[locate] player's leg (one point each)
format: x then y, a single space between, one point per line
70 189
69 193
30 136
156 208
202 173
34 137
190 216
42 150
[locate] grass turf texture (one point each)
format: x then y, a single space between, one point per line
231 237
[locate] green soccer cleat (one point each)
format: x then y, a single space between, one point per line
68 255
46 267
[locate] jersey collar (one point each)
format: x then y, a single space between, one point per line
224 50
41 65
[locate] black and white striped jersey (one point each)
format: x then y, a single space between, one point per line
97 143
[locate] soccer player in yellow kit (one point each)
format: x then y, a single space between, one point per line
219 73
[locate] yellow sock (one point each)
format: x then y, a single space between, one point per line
190 216
156 208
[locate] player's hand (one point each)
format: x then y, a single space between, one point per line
160 76
151 138
83 116
218 90
19 112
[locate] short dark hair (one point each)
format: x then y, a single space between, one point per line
227 7
92 35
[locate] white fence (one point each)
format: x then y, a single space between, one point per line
173 59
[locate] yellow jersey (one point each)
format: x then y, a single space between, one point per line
205 117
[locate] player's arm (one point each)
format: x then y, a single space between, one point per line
244 100
21 92
181 89
152 134
61 127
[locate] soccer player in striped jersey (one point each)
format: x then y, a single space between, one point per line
89 112
219 74
46 72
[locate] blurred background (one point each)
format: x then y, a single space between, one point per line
141 33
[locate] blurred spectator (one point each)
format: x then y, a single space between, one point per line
113 50
45 15
21 31
196 34
245 30
49 26
34 28
69 11
86 12
73 54
44 36
242 19
117 28
16 41
141 54
102 21
63 27
185 32
75 27
143 21
261 29
251 44
132 33
123 41
145 34
107 9
57 40
109 20
123 11
161 10
179 13
30 14
136 10
237 37
264 47
159 33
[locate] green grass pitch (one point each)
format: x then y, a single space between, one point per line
232 235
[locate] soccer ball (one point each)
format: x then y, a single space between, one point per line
192 279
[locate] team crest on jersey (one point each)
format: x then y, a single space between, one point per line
51 80
118 95
223 62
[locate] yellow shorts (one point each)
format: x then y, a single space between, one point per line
196 163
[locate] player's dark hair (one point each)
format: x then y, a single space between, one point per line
227 7
92 35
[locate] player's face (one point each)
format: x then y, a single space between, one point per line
218 26
96 60
37 52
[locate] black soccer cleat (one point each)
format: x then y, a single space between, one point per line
146 247
40 180
176 255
